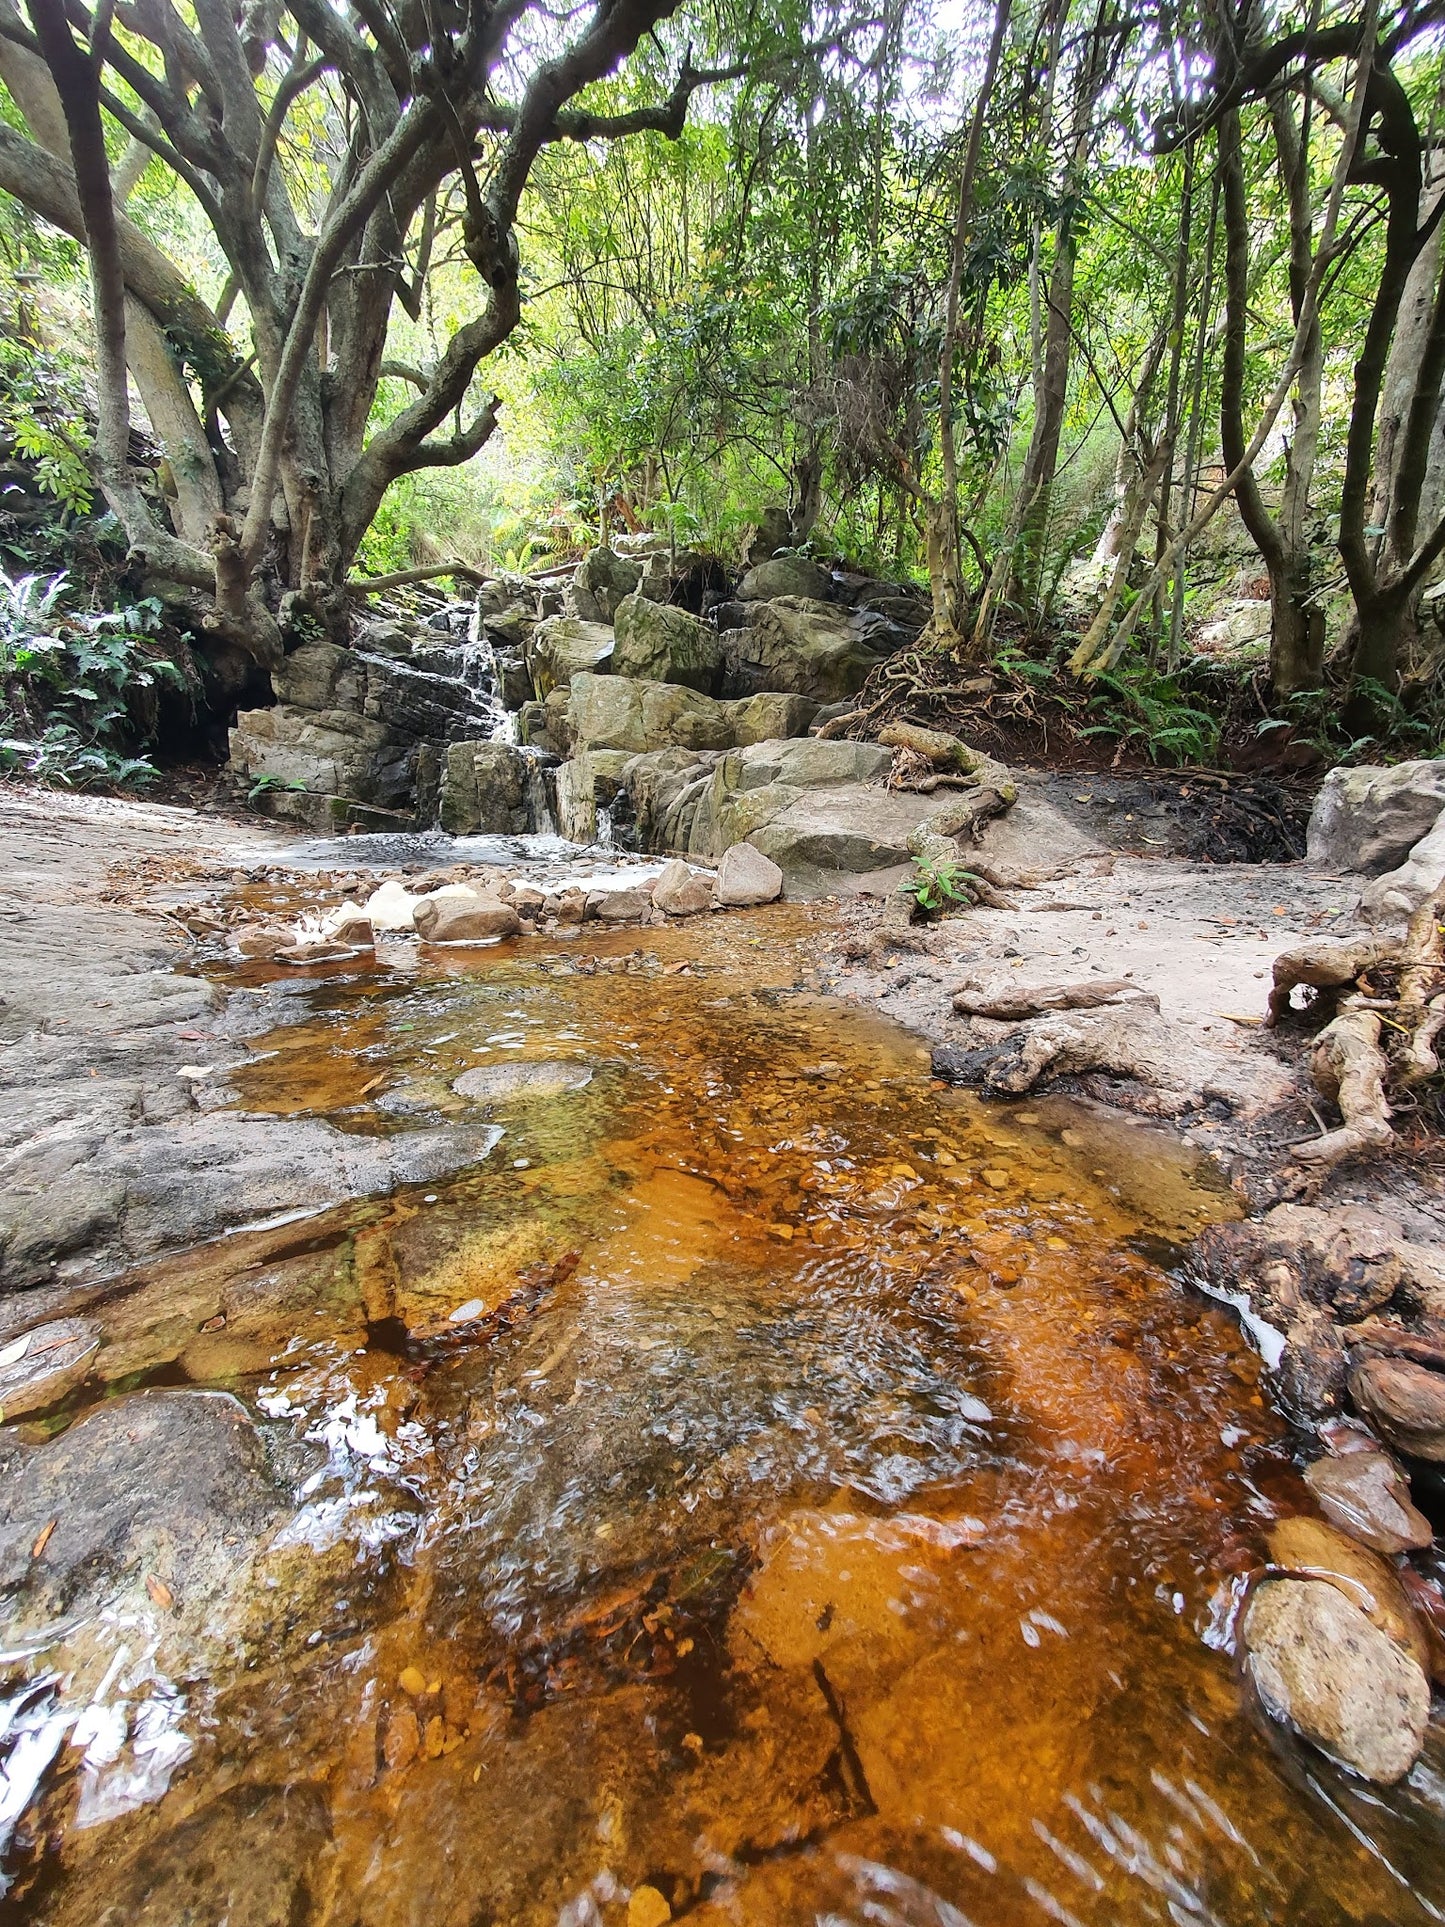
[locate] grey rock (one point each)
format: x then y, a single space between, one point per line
657 643
746 877
773 530
786 575
1320 1664
1395 897
619 906
1369 819
562 646
157 1483
602 580
40 1367
806 647
485 788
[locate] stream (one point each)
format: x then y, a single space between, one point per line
768 1487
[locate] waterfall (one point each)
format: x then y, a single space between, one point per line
479 669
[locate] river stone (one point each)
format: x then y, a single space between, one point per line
1368 1496
351 925
619 906
464 919
500 1081
658 643
1405 1401
791 575
681 891
1369 819
746 877
564 645
1319 1664
39 1368
1315 1550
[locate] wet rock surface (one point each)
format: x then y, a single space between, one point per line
1320 1664
755 1372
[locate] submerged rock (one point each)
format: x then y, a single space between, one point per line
38 1369
499 1081
1367 1495
1321 1665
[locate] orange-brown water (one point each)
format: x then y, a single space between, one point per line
825 1509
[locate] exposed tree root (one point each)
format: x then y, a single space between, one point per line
1390 1012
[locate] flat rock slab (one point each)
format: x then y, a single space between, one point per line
40 1367
501 1081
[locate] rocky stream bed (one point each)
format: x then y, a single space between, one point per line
589 1426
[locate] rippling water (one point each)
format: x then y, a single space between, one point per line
770 1482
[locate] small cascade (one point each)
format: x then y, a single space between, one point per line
604 827
541 794
480 671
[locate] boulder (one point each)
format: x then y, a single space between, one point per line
1369 819
815 808
1321 1665
485 788
681 891
771 716
264 940
587 783
772 531
465 918
746 877
785 575
602 580
805 647
657 643
1405 1402
561 647
1367 1495
1397 895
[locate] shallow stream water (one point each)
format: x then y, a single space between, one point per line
768 1481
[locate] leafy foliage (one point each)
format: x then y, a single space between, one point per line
937 886
69 683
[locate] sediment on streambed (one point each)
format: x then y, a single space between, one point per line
751 1440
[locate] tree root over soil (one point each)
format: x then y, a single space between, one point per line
1379 1049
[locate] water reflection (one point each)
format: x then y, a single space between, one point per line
767 1487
